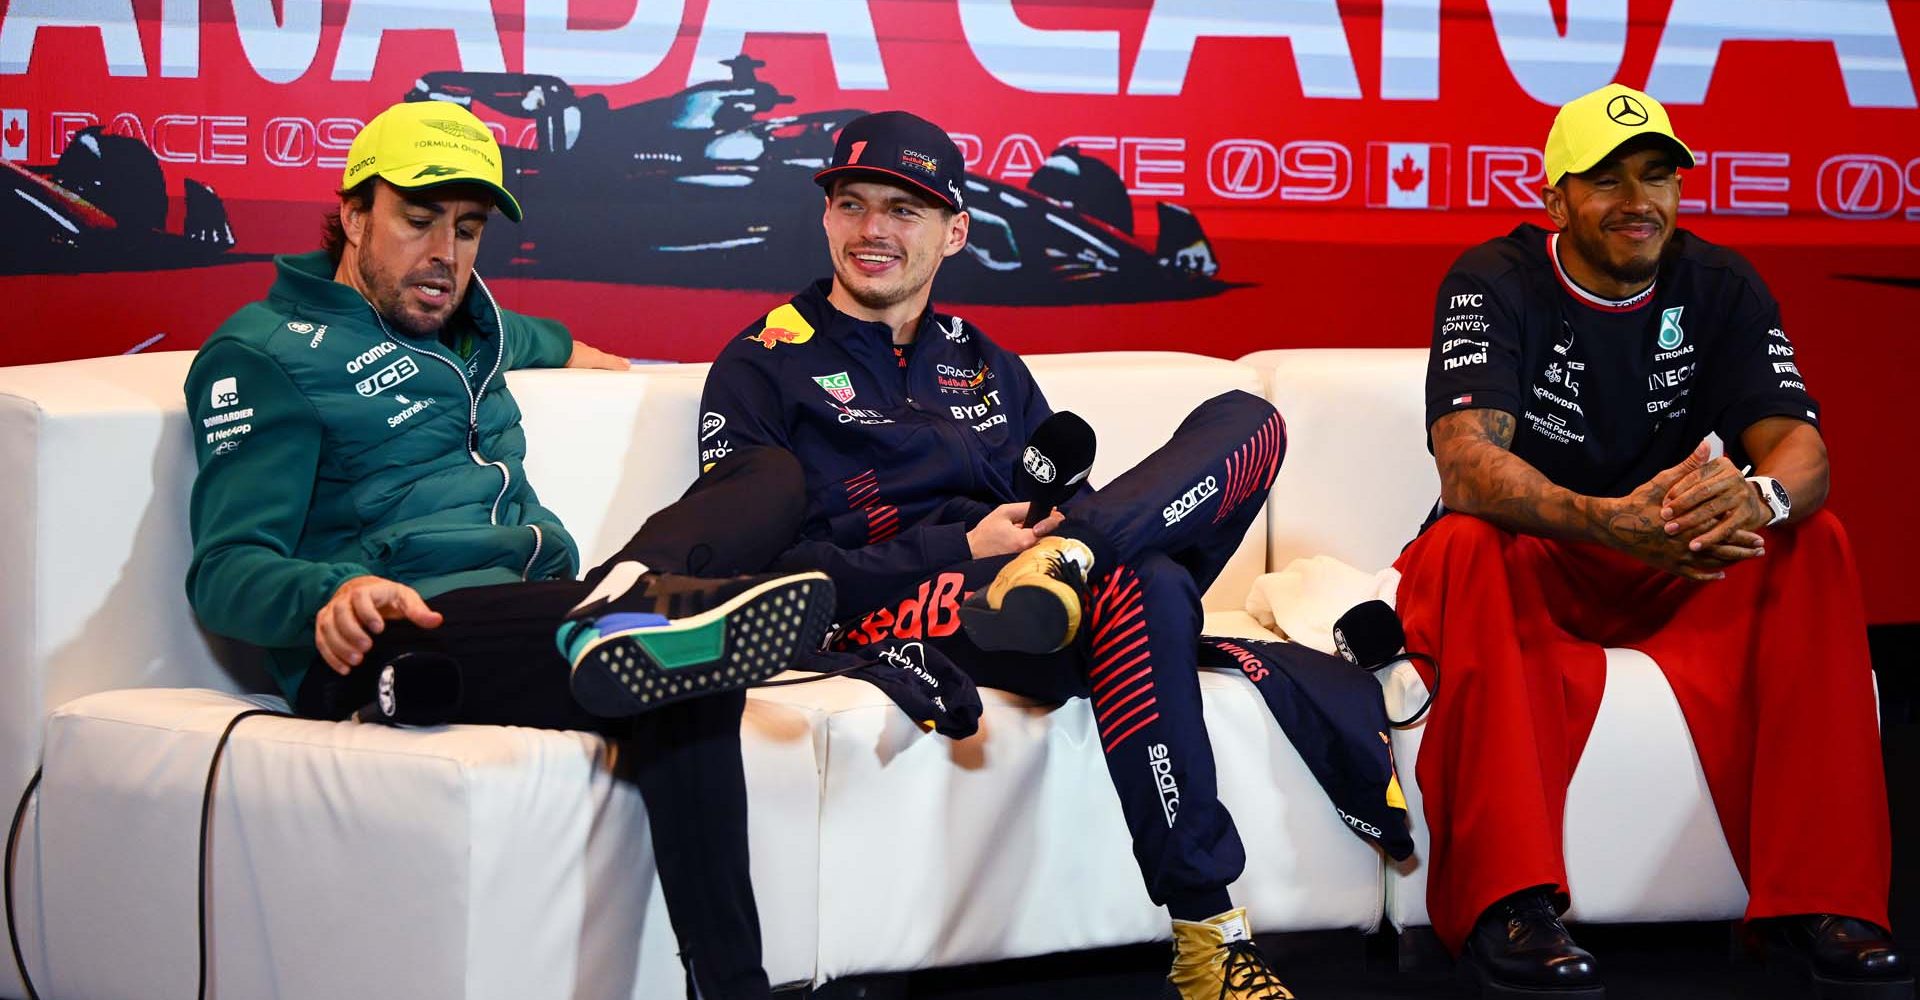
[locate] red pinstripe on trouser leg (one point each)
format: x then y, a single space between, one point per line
1121 674
1252 466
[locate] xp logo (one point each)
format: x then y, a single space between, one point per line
1037 465
226 392
1627 111
1670 332
435 170
386 378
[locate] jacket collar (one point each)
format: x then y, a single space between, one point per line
813 304
304 283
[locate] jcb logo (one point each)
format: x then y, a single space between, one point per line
386 378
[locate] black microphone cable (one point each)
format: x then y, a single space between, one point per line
206 835
13 843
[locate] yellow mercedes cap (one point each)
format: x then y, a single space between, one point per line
421 144
1591 126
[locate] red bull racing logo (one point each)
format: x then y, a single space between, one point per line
784 325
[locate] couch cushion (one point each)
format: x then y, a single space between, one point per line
458 862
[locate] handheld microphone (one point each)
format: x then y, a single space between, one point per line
1057 459
1370 636
416 689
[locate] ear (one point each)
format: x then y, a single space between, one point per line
956 234
1555 198
353 220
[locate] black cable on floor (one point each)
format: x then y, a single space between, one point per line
13 842
206 830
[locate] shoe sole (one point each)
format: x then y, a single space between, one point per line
1483 985
752 636
1029 620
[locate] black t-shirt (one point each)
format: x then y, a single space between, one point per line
1606 394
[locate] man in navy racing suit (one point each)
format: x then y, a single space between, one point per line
910 423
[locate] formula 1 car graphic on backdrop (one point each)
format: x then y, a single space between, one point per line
704 188
103 207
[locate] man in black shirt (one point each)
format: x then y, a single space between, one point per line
1574 378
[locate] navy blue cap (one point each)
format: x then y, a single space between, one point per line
901 147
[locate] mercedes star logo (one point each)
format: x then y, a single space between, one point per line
1626 111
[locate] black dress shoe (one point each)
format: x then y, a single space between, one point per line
1837 958
1519 948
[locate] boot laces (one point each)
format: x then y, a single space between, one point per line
1247 974
1062 568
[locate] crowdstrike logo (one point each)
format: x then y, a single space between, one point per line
1178 510
1160 763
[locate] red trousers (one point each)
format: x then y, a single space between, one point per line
1770 667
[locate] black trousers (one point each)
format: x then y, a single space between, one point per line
685 757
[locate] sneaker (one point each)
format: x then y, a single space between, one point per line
1033 605
1216 959
644 639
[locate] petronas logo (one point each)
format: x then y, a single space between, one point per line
1670 333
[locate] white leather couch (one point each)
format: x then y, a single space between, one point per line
500 862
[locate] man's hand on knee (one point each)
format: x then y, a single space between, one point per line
344 628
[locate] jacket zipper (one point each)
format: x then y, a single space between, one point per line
473 399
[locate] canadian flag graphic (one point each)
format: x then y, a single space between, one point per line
1407 174
13 134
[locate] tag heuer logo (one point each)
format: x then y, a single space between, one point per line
1670 333
837 385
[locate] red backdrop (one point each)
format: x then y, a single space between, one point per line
1338 154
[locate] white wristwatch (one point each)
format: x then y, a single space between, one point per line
1775 496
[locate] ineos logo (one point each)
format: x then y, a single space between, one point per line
1626 111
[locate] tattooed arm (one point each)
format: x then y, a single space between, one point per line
1479 475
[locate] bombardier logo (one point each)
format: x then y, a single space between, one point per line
386 378
1178 510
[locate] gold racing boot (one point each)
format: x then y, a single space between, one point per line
1216 959
1034 604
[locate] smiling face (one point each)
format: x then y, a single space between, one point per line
410 253
887 242
1616 218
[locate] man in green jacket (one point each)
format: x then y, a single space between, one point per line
362 512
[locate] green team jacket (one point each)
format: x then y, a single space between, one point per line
330 448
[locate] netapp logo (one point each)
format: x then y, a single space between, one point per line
386 378
1159 762
1179 509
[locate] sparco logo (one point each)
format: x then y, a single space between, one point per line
1038 466
388 377
1360 824
1179 509
1162 767
370 355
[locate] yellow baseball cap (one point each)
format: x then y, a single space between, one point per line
1591 126
423 144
